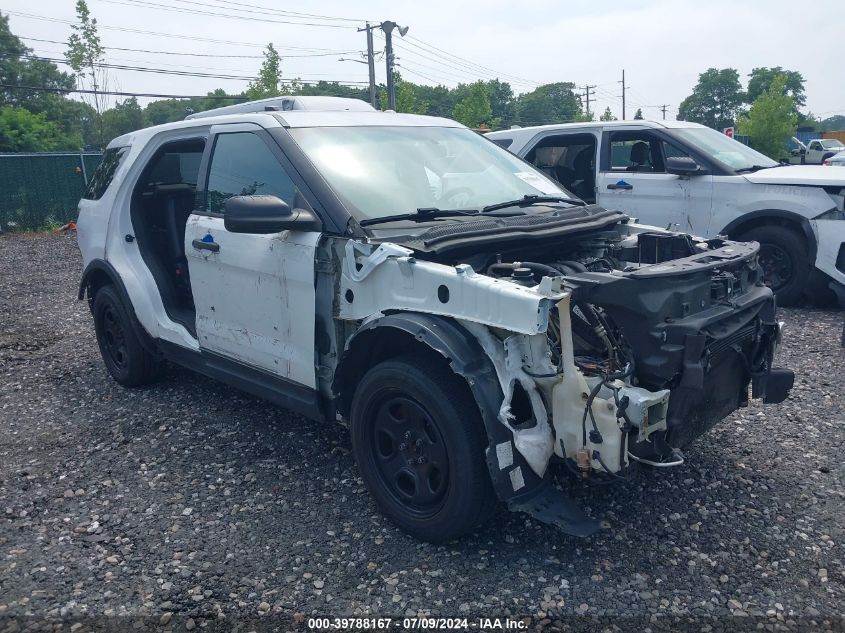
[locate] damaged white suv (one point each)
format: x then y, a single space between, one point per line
477 325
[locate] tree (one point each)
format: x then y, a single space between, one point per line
440 99
23 131
502 102
269 80
549 103
716 100
771 120
638 115
123 118
607 115
760 79
18 70
474 109
406 99
85 55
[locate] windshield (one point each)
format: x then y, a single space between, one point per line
832 144
723 149
381 171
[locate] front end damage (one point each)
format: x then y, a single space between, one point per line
622 346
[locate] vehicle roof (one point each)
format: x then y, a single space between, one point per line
593 125
286 104
292 119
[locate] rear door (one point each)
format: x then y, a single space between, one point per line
254 294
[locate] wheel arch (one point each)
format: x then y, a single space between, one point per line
774 217
99 273
398 334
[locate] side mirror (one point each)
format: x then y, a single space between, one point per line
682 166
266 214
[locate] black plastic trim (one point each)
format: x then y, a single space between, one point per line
779 214
102 266
265 385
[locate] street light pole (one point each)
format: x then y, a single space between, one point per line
388 27
371 63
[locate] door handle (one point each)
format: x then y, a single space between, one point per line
206 246
620 185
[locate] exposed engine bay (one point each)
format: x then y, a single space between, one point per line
610 346
614 348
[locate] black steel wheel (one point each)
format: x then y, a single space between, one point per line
125 357
419 443
784 260
409 453
778 267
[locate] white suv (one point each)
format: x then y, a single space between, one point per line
692 178
475 323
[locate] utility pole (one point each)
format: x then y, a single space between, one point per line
371 63
388 27
623 93
663 109
587 88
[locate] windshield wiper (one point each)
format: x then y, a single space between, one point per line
753 168
529 199
423 214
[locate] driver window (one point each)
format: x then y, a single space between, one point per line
635 152
243 165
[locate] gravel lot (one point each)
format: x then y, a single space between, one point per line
189 498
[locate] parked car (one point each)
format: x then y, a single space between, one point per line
689 177
837 160
815 152
475 323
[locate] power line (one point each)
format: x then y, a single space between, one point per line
121 94
123 29
182 73
147 4
447 54
456 67
256 9
328 53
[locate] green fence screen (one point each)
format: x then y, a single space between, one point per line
43 189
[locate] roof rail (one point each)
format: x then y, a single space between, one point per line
282 104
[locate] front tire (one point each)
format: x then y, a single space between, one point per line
784 260
126 359
419 442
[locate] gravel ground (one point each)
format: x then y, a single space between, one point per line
190 503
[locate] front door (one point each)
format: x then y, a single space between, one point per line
254 294
632 178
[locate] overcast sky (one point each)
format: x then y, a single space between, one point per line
662 44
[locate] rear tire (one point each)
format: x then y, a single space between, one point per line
419 442
784 260
125 357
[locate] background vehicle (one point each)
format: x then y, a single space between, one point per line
473 321
815 152
837 160
689 177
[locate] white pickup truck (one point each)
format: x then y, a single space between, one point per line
688 177
815 152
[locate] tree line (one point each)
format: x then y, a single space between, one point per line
768 109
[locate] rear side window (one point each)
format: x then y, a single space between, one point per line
503 142
103 175
243 165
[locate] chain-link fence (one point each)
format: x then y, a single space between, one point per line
42 189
